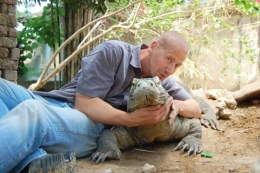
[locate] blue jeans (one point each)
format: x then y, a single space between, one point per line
32 126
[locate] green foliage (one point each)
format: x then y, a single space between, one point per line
149 9
206 154
201 25
117 4
40 30
27 42
45 29
98 5
250 7
208 29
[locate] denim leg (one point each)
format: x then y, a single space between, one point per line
11 95
3 108
32 125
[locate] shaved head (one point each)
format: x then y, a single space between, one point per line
164 55
172 39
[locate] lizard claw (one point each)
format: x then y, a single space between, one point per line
100 156
191 150
210 120
184 148
180 144
193 145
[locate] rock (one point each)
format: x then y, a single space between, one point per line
216 94
248 92
149 168
225 114
221 105
212 94
232 170
231 103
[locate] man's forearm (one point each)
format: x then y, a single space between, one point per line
101 112
188 108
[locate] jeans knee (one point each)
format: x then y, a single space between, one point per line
29 109
31 104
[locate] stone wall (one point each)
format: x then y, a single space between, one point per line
9 54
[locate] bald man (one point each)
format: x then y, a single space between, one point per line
72 118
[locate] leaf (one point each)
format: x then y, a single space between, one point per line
29 56
206 154
61 11
35 45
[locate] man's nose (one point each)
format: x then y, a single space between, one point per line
170 68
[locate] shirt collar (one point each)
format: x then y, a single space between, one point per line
135 60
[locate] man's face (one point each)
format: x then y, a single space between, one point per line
164 62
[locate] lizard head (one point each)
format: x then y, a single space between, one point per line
146 92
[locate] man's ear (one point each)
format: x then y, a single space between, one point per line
154 44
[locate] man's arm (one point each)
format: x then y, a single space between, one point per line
188 108
101 112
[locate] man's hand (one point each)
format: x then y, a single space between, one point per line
173 113
151 114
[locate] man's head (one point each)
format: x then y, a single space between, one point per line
165 55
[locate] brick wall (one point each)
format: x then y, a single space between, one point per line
9 54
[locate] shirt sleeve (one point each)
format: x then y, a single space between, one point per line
98 70
174 89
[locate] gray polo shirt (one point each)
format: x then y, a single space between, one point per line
107 72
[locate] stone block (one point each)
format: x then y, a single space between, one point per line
11 9
8 64
8 20
12 2
0 73
8 42
4 8
3 31
15 54
12 32
10 75
4 52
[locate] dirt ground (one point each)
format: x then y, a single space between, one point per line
235 149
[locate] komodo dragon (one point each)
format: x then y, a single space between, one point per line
149 91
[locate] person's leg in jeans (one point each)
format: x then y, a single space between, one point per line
3 108
33 125
11 95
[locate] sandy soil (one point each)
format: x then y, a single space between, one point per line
235 149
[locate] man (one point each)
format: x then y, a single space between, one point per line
98 93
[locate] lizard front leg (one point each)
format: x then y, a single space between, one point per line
110 142
192 141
